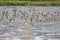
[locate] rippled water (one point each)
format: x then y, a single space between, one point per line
38 31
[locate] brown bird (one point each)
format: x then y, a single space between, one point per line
6 14
47 17
53 17
36 18
3 13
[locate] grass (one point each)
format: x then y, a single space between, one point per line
28 3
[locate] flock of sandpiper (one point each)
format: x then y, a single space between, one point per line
24 15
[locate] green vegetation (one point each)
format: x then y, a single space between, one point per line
29 3
30 0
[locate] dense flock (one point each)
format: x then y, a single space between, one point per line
34 17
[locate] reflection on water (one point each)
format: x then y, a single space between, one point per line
29 23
